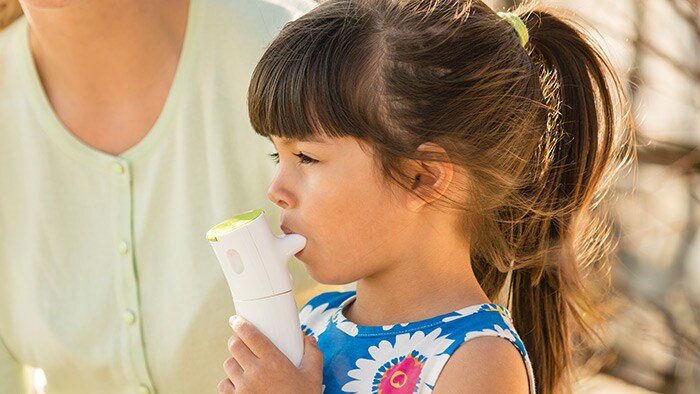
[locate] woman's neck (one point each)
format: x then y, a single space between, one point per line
103 50
107 67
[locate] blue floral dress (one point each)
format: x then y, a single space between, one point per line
403 358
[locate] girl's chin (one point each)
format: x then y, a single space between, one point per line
322 272
325 277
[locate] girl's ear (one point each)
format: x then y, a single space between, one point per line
431 177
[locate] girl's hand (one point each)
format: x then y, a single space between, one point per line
259 367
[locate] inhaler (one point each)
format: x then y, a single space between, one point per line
254 262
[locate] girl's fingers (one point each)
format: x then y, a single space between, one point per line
313 357
258 343
240 351
233 369
226 387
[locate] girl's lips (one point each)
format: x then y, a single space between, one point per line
287 231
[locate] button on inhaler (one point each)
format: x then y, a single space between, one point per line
254 262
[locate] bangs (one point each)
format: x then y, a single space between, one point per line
315 78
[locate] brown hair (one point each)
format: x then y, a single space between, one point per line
9 12
539 130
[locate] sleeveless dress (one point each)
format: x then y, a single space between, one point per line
402 358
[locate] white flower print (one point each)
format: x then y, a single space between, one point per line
314 321
460 314
347 327
397 368
470 310
498 331
389 327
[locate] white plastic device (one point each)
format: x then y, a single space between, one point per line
254 262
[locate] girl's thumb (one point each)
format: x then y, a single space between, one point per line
312 354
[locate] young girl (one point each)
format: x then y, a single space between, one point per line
443 157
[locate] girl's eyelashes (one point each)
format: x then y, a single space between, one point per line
303 159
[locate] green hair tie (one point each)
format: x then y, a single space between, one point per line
519 26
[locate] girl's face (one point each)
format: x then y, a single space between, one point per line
332 192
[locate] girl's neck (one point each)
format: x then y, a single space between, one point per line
417 290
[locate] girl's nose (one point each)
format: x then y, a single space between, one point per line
280 195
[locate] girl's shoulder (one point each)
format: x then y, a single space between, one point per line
494 367
493 323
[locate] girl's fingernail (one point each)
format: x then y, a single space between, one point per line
231 320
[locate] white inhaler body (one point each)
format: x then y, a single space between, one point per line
254 262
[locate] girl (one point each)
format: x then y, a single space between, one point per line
445 158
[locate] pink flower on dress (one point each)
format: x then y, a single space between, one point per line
408 364
402 377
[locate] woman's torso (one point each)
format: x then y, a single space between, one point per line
106 280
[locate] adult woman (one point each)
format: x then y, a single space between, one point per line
124 137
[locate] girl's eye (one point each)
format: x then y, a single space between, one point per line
303 159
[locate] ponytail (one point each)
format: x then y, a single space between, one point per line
563 236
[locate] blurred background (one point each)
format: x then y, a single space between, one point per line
652 342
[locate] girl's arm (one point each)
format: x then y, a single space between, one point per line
485 365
